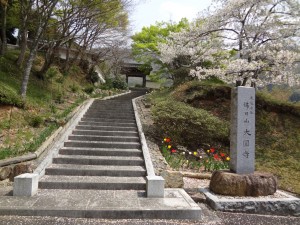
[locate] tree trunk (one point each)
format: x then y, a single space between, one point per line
241 83
23 34
48 60
23 47
50 55
33 49
3 29
245 81
66 66
27 70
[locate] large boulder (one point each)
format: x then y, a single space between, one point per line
232 184
173 179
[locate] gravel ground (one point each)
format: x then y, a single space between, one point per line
218 218
69 221
250 219
195 183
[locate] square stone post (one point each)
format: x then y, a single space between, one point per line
26 184
242 132
155 187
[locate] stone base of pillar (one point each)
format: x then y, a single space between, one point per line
256 184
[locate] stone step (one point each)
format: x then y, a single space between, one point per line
101 152
111 123
110 117
108 120
111 111
103 204
112 103
92 182
112 107
108 113
95 170
102 144
106 133
103 138
99 160
105 128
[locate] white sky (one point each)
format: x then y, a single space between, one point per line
147 12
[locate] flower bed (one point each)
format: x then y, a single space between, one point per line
200 160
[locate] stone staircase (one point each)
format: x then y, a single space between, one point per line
100 172
103 152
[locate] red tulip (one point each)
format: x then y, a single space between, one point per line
167 140
216 157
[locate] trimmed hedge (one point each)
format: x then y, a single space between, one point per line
190 126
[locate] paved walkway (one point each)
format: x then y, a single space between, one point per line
111 204
209 218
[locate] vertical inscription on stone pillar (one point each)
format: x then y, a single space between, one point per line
242 136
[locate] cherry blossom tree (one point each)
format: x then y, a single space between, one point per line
264 34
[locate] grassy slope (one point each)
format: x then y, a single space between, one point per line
23 129
278 145
277 127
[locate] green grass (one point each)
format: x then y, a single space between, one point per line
36 143
38 91
277 125
25 125
67 111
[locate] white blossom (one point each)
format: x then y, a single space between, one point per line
264 34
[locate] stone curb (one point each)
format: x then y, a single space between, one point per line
148 161
154 184
285 206
47 144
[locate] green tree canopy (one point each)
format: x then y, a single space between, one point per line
145 43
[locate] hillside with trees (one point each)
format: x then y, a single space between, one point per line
51 55
80 28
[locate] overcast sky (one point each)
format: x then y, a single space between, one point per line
147 12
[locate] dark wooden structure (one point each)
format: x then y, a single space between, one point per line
131 69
